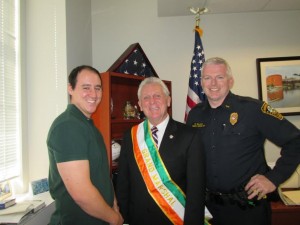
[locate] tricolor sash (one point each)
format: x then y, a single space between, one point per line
165 192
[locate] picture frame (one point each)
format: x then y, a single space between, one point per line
278 81
5 190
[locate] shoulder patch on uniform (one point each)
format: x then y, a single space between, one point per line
198 125
267 109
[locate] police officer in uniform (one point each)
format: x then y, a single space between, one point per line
234 130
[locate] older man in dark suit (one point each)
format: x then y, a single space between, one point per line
161 165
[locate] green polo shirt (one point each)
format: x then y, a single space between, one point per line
72 137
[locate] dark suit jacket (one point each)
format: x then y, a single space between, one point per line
183 157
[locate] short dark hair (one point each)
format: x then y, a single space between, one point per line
74 73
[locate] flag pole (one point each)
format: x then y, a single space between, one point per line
195 93
198 12
197 18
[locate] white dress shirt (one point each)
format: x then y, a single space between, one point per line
161 130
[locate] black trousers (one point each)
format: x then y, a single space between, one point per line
233 214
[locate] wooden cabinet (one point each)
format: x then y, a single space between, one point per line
285 215
108 118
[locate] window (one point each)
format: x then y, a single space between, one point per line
9 90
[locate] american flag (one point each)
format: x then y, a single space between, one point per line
136 64
195 92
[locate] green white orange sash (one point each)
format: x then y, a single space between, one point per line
166 193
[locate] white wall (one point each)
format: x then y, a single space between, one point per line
79 33
46 77
168 43
49 59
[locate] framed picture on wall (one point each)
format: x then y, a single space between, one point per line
279 83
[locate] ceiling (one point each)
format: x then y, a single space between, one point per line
181 7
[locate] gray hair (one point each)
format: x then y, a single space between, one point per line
153 80
218 61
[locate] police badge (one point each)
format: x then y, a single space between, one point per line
233 118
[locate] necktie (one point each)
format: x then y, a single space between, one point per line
154 134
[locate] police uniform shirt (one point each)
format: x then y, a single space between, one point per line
234 135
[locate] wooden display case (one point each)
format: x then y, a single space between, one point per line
108 118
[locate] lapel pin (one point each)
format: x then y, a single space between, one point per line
171 136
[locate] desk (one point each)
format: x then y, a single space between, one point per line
285 215
41 217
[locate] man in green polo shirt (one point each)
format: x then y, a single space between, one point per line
79 176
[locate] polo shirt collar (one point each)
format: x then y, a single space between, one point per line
73 108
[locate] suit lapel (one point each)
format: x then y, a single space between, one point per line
168 136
